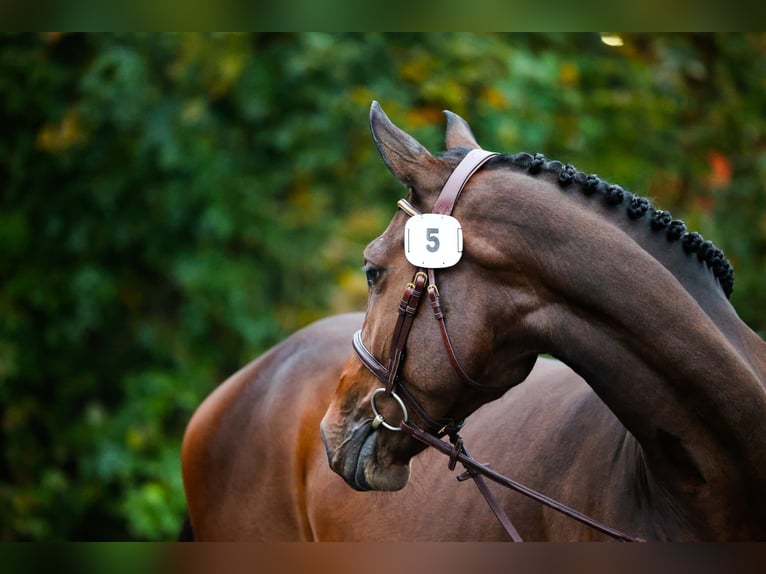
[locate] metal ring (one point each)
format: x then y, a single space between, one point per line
379 420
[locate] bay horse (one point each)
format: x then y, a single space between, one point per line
255 468
666 441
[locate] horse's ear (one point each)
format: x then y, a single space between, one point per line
459 133
405 157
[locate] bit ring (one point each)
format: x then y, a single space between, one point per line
379 420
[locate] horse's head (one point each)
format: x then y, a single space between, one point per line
448 372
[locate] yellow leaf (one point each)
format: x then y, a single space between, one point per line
495 98
56 138
569 74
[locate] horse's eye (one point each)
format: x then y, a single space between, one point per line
373 274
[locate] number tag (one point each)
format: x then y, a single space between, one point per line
433 241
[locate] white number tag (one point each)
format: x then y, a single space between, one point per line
433 241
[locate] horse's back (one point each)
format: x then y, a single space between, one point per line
244 455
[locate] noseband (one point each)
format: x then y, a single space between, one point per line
423 281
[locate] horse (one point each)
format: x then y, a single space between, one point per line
666 440
255 467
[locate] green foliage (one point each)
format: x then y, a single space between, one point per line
172 205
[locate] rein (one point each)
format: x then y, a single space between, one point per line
425 281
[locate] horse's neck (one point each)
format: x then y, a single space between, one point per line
698 280
669 357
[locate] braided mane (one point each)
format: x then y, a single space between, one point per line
636 208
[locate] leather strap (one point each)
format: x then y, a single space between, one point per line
435 298
474 159
368 359
407 309
492 501
473 466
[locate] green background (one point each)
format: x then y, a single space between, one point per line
173 204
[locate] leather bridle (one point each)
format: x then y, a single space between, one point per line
424 281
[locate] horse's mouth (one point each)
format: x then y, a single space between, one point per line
356 461
352 455
365 457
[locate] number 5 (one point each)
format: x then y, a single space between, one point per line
433 241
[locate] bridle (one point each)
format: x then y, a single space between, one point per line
424 281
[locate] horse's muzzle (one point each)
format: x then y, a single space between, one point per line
355 459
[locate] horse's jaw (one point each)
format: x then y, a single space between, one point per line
356 459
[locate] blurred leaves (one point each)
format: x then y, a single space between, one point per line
172 205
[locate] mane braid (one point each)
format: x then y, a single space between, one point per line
636 208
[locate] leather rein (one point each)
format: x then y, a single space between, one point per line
425 281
